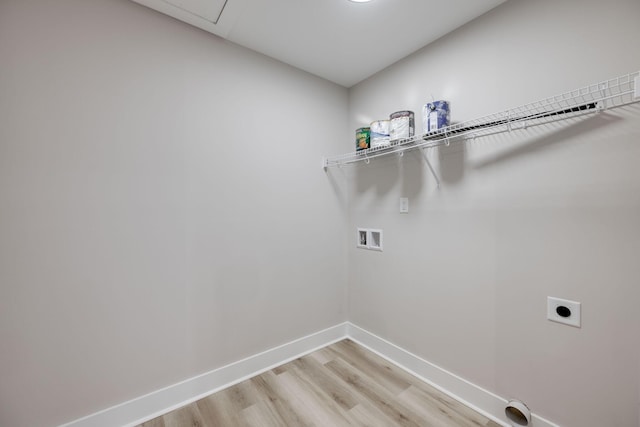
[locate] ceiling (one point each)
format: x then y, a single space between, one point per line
339 40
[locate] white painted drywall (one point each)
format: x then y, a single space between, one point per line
144 238
464 276
163 211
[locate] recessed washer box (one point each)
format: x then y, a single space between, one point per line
369 239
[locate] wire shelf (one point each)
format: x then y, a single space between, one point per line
612 93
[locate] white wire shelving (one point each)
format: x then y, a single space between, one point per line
613 93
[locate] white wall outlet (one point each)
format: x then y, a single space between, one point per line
564 311
375 240
404 205
362 238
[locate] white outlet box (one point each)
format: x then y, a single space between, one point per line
564 311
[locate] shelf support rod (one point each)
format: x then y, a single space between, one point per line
602 104
433 172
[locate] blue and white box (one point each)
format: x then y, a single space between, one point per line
435 115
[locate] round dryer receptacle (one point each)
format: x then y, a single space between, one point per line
517 413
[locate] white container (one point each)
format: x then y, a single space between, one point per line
380 133
402 125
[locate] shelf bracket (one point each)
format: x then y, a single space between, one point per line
433 172
602 104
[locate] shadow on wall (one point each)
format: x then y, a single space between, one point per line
411 172
452 162
337 178
561 135
385 174
381 174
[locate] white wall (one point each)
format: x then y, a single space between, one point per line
163 211
464 276
144 239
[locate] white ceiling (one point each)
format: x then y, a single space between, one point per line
339 40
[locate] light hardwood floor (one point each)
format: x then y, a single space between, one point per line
340 385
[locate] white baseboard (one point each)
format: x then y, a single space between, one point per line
161 401
154 404
471 395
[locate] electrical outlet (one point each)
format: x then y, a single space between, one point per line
564 311
404 205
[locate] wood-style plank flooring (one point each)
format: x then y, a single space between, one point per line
340 385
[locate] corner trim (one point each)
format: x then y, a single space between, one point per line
159 402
